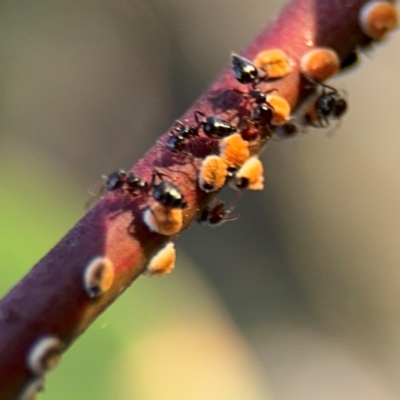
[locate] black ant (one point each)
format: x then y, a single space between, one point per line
166 193
213 127
263 114
126 181
169 195
216 215
246 72
179 134
329 104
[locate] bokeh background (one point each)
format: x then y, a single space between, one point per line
298 299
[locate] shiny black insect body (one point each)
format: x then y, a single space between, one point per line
260 118
258 95
213 127
116 180
176 143
125 181
329 104
179 136
166 193
247 73
244 70
186 131
263 114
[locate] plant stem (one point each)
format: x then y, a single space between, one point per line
51 300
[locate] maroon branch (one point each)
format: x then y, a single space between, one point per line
50 307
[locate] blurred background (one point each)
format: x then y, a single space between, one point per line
298 299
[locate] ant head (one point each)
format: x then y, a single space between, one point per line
263 114
115 180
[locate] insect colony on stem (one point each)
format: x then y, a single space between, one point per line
260 115
233 160
263 115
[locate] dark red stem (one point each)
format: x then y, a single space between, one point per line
50 299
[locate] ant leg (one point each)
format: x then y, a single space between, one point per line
196 117
96 191
239 92
153 178
227 212
157 174
229 218
323 122
320 83
314 83
325 86
177 124
272 90
235 200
